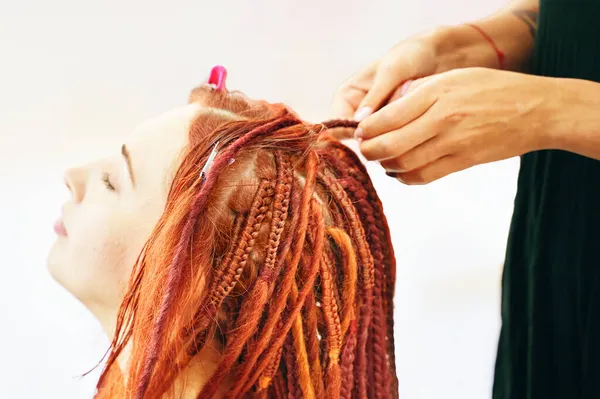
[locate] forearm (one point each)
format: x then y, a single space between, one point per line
512 30
574 124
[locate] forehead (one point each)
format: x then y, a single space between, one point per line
155 145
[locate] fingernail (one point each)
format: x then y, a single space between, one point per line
396 175
362 113
358 133
405 87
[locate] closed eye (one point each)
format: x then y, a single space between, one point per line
107 183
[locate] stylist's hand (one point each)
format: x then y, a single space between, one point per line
382 81
460 118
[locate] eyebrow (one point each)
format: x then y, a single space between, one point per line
127 157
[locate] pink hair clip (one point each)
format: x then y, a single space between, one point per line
217 78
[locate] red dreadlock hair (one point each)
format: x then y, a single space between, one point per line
283 256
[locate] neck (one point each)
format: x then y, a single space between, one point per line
188 384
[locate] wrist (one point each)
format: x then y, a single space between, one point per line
462 46
573 122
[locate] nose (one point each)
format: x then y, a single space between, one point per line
75 179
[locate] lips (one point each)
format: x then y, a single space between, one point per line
59 228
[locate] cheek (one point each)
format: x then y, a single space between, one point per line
96 260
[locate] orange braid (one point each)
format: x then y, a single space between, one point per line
334 329
348 363
279 302
285 269
236 259
312 328
349 261
379 362
367 275
317 218
357 171
230 273
267 377
303 367
252 309
292 380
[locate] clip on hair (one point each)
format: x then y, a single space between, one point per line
218 77
209 161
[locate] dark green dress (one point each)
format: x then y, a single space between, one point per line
550 340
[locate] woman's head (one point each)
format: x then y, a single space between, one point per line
115 204
117 201
277 259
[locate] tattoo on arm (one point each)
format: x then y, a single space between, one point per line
530 18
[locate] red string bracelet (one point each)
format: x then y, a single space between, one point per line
499 53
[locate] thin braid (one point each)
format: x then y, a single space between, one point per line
181 255
318 225
266 379
256 347
334 329
280 210
236 237
330 310
233 264
303 367
278 385
367 275
315 318
344 243
375 234
252 309
378 327
347 366
340 123
312 325
290 366
281 383
279 302
248 375
276 389
357 171
228 277
335 124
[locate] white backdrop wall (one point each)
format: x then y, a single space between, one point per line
75 76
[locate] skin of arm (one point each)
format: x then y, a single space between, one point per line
512 29
467 116
575 126
576 122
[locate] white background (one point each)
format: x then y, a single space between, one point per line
75 76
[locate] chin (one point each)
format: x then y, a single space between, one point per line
63 273
88 281
53 262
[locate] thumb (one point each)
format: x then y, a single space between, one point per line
384 84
